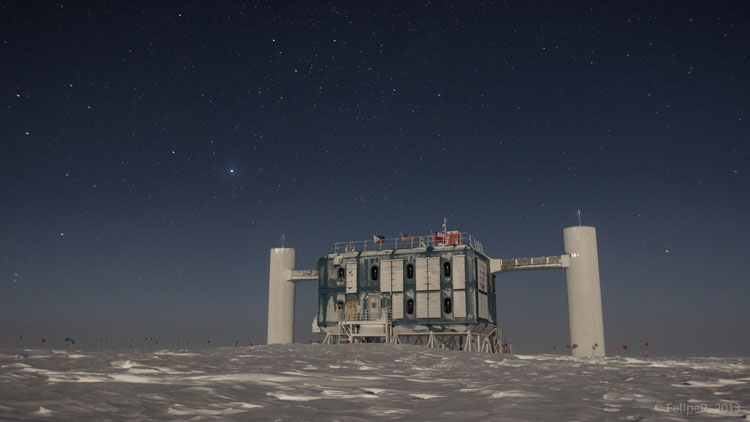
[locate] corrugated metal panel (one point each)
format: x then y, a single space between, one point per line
481 275
397 305
484 310
420 270
351 277
458 262
459 304
397 275
385 275
434 307
423 305
433 273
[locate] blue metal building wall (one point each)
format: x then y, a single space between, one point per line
329 286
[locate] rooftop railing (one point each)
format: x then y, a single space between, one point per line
365 315
408 242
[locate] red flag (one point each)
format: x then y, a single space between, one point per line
575 345
625 347
554 347
567 346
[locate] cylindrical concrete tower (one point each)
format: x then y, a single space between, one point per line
281 296
584 292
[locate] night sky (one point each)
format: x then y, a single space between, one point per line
151 154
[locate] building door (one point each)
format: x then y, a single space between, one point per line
373 306
351 309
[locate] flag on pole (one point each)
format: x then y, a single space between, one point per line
438 237
406 237
378 239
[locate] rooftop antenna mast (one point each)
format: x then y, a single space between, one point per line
283 238
579 214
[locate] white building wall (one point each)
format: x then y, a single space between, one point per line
351 277
385 275
397 305
422 304
584 292
484 310
433 273
434 305
420 272
397 275
459 304
481 275
281 296
458 272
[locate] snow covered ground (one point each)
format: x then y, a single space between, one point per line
364 382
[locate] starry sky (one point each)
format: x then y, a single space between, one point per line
151 153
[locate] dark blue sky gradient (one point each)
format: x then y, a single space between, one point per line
151 154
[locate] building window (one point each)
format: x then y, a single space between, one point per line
374 272
446 269
340 305
410 271
447 305
410 306
341 275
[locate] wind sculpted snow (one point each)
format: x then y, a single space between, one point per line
364 382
